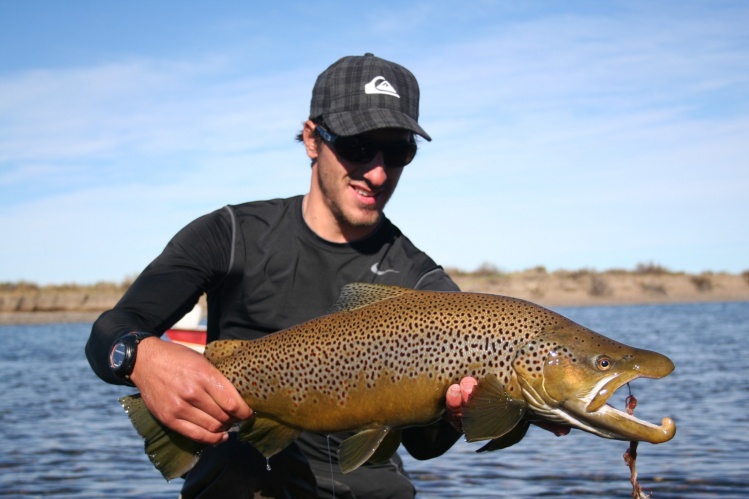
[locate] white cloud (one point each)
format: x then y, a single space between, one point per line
561 139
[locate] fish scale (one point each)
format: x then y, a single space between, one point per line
443 338
384 358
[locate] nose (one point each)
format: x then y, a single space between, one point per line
375 172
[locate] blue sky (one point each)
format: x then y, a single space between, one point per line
566 134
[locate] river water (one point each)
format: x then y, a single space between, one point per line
63 433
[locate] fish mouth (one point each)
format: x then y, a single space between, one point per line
578 394
594 414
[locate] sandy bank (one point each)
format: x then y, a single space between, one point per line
28 304
586 288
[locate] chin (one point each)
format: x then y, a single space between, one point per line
363 218
365 221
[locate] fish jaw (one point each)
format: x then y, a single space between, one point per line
612 423
592 413
568 375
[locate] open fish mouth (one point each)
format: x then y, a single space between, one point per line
576 387
623 426
600 417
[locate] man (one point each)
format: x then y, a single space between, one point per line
269 265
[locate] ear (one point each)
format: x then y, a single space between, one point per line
311 144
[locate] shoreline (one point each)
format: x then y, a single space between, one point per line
45 317
29 304
66 317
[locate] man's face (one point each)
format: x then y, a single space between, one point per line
356 193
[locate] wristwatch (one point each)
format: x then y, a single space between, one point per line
123 353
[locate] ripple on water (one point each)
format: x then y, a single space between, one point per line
64 433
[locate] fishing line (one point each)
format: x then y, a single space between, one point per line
330 463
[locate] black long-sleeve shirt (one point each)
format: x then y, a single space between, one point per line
264 270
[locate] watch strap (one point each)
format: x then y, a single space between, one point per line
131 341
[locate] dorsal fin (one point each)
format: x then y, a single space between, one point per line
360 294
216 351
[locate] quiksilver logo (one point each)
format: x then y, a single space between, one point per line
375 270
379 85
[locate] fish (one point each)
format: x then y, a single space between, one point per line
383 359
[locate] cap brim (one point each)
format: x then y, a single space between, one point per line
356 122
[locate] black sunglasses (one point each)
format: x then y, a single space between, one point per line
358 149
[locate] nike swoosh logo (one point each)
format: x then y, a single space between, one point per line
375 270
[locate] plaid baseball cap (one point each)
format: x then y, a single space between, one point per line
361 93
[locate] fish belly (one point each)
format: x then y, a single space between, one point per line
356 405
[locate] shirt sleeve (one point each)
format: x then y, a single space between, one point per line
194 261
436 280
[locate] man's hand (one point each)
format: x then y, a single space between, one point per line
186 392
456 397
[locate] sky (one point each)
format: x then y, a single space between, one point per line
570 135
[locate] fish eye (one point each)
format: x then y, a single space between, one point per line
604 363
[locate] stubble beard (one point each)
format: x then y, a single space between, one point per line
332 197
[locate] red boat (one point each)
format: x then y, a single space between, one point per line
193 337
188 331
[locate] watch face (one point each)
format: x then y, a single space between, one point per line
117 357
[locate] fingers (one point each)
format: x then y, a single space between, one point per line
199 426
466 388
458 394
187 393
453 399
189 412
456 397
209 407
227 400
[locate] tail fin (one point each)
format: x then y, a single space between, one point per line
171 453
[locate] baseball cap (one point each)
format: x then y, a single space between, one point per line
357 94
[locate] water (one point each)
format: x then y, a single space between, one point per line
64 434
707 395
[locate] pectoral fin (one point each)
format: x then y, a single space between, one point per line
267 435
490 412
360 448
508 439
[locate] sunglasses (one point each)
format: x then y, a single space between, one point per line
357 149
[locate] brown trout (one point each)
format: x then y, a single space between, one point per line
383 359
